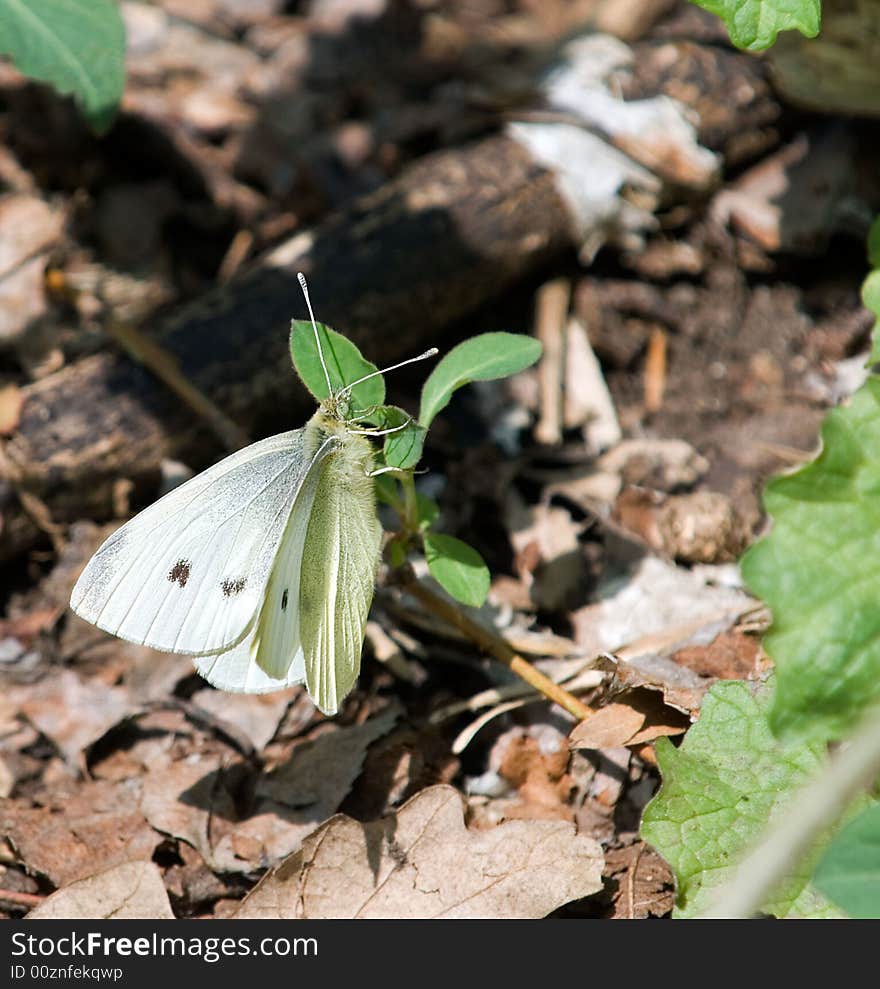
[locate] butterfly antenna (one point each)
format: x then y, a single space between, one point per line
412 360
305 290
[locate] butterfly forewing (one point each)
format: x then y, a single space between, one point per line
189 573
270 656
339 562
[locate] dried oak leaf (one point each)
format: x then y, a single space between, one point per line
423 862
129 891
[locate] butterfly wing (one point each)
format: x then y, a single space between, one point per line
338 575
270 656
189 573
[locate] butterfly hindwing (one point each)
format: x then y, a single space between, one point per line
339 562
188 574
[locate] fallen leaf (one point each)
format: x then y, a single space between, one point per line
610 726
639 716
424 863
195 798
71 712
130 891
656 597
256 715
645 886
98 826
534 760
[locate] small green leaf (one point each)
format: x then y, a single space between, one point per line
345 364
721 787
77 46
754 24
482 358
404 449
428 510
849 872
458 568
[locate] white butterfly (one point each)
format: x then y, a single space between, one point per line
262 567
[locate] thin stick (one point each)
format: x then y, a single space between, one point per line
493 644
551 319
812 811
655 370
305 290
28 900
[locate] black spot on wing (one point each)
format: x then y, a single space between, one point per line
284 600
231 587
179 573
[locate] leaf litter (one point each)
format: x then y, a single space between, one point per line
446 788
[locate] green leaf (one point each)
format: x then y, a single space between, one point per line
819 572
754 24
871 300
849 872
403 448
482 358
77 46
345 364
458 568
729 777
874 244
428 510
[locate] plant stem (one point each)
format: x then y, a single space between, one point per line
496 647
813 810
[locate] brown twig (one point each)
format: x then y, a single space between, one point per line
551 317
496 647
29 900
655 370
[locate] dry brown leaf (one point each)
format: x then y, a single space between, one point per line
72 712
98 826
256 715
130 891
424 863
637 717
612 725
194 799
645 886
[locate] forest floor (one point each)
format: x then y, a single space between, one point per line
722 340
